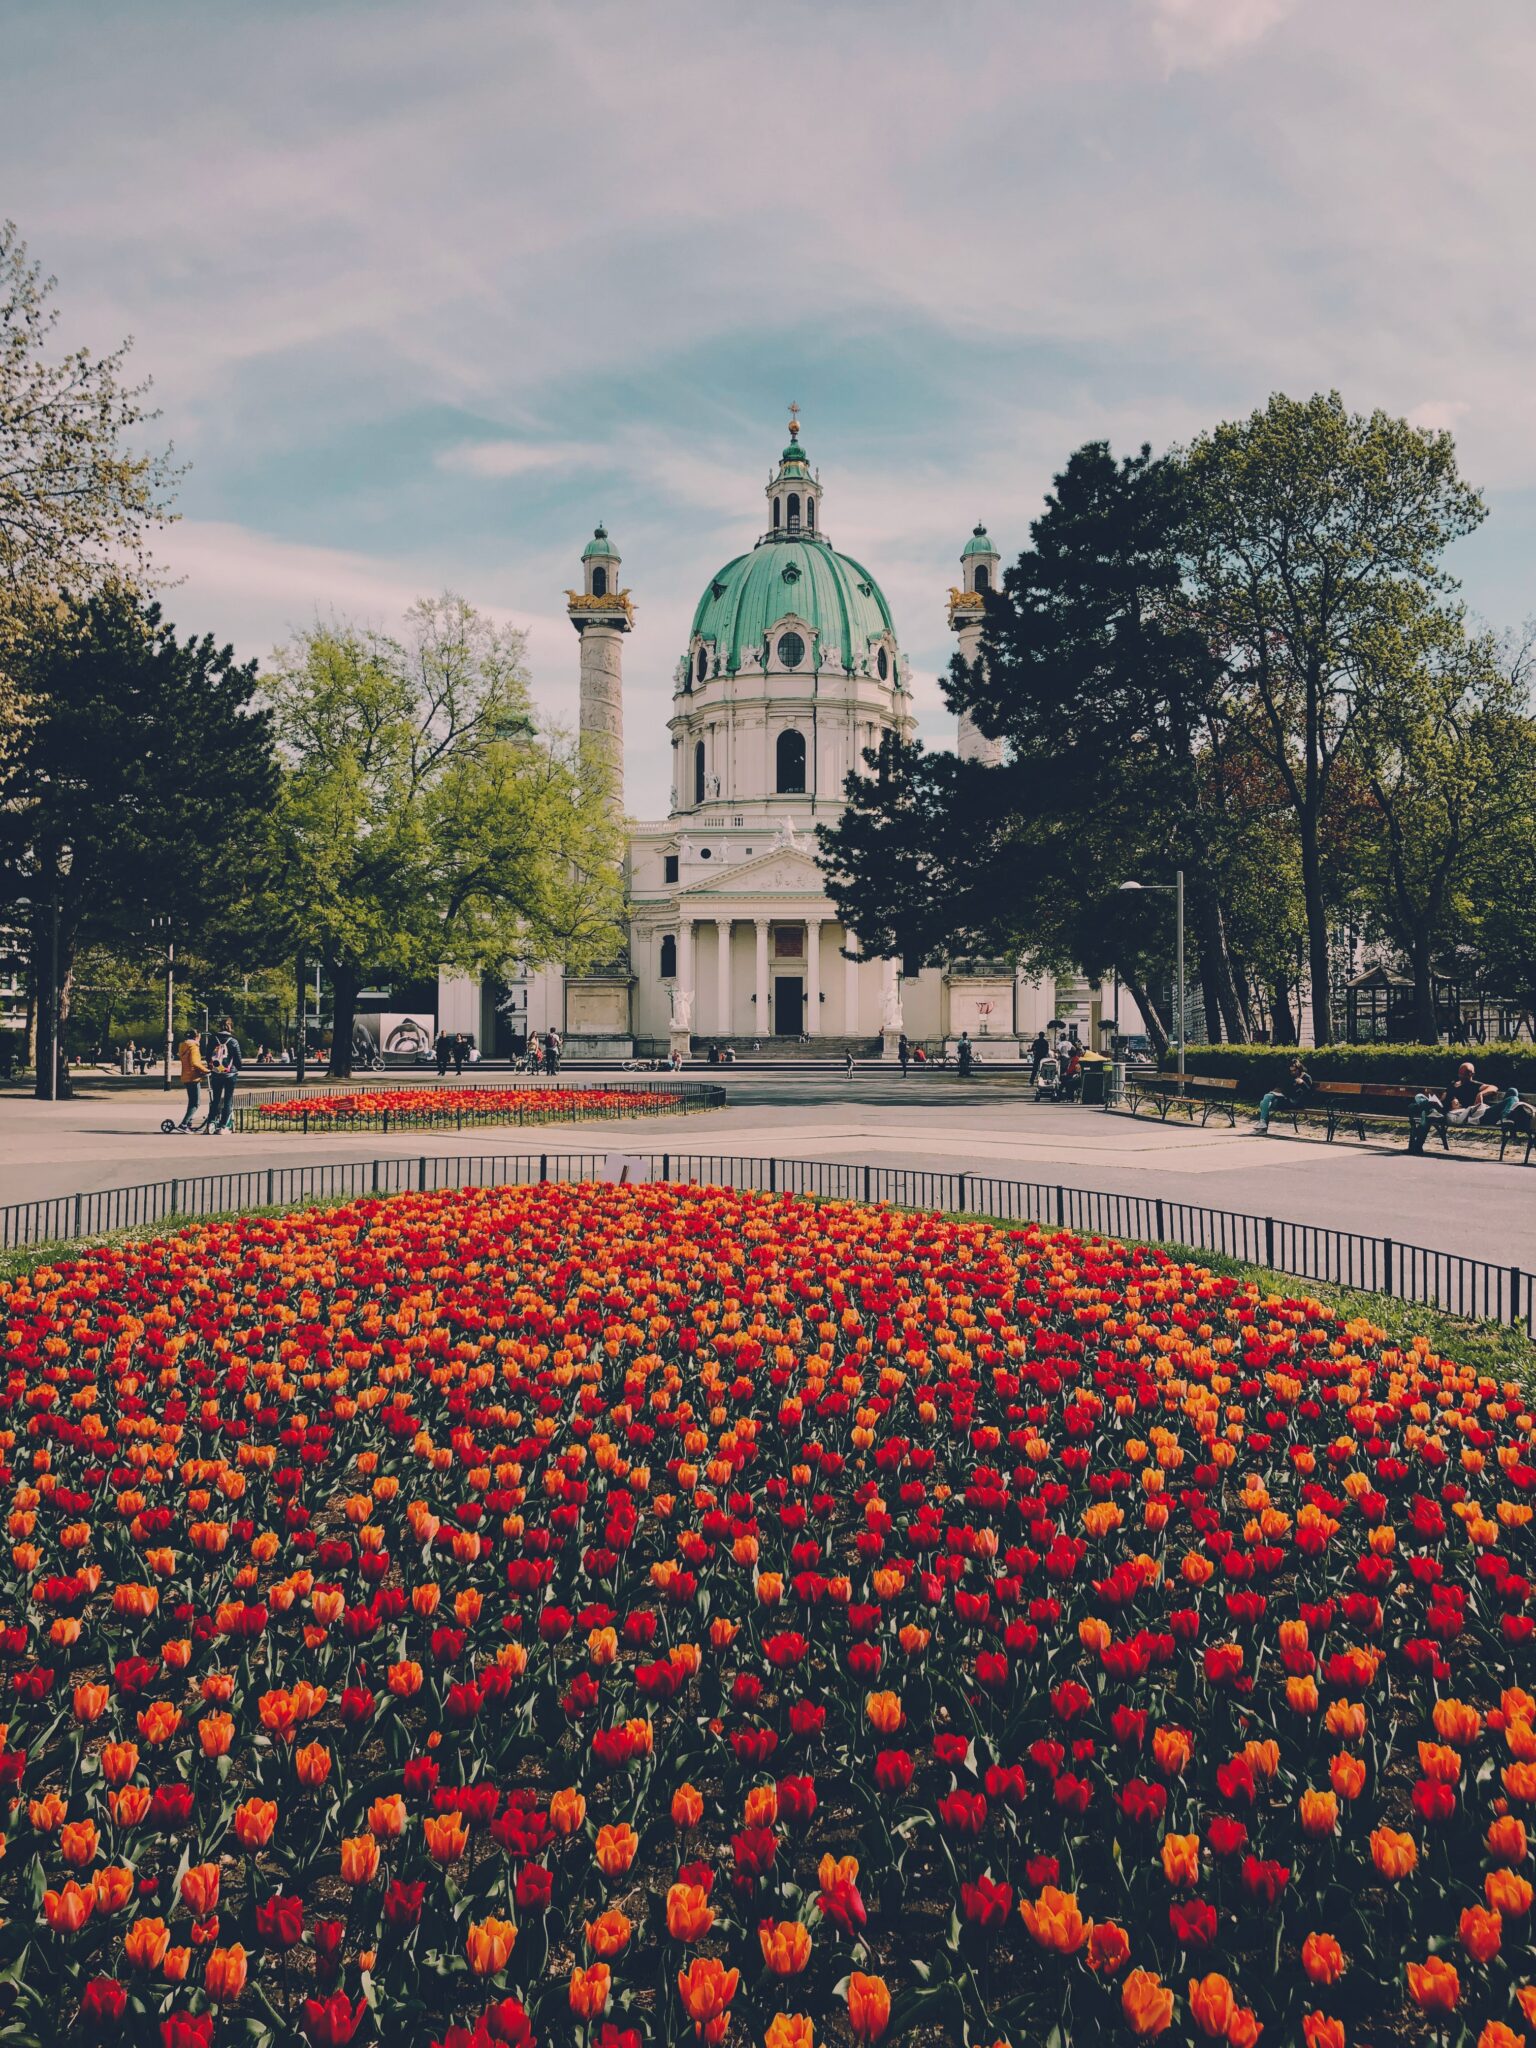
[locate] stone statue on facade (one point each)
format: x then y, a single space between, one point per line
890 1008
682 1009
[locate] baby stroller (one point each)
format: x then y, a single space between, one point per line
1048 1079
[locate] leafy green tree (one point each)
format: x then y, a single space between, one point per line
144 778
423 822
1316 557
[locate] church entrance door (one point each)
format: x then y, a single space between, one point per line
788 1006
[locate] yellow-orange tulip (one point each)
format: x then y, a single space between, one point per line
224 1978
588 1992
489 1944
1054 1921
359 1859
145 1944
786 1946
689 1914
615 1850
1147 2004
869 2006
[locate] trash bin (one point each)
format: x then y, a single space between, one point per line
1092 1080
125 1064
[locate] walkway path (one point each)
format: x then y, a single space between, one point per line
1456 1203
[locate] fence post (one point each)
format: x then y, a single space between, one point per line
1514 1294
175 1198
1386 1265
1161 1230
376 1176
543 1166
78 1200
666 1165
773 1176
1061 1206
271 1188
866 1183
960 1200
1269 1242
306 1123
421 1174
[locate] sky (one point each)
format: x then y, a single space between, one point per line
428 290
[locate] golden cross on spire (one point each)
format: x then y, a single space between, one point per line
794 420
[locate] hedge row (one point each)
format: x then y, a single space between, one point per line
1258 1067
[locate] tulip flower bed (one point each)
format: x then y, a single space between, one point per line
606 1616
424 1109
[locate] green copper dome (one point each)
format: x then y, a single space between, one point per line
601 546
748 597
978 544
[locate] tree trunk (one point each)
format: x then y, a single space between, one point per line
1425 1021
344 988
1210 997
53 1002
1282 1017
1223 1011
1157 1030
1318 964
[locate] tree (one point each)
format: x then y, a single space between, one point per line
75 503
423 822
144 777
1107 693
1316 548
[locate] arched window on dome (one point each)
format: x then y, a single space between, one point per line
983 577
599 582
668 957
789 757
698 771
703 665
883 664
792 511
776 510
810 515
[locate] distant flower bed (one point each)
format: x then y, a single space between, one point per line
425 1108
638 1617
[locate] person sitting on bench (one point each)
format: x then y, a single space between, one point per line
1292 1096
1464 1103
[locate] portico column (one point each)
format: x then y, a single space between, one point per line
764 1021
723 976
685 953
850 984
813 975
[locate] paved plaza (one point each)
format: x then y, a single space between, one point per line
109 1136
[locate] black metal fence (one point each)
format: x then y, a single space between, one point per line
607 1103
1474 1288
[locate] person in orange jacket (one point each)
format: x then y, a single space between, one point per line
194 1069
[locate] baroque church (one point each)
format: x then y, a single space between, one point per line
792 671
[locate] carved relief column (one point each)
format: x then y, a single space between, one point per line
764 1020
723 976
813 976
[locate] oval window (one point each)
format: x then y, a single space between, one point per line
703 664
791 650
883 664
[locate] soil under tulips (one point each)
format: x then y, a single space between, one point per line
615 1615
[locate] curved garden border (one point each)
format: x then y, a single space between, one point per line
483 1106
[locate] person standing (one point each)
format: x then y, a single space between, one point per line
193 1069
903 1053
224 1063
441 1050
964 1054
1039 1050
459 1050
552 1052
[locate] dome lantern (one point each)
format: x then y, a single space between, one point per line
794 493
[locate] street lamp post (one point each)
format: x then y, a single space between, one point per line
1176 890
63 864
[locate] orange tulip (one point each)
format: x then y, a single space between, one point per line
216 1733
869 2006
312 1763
786 1946
589 1991
616 1846
1212 2004
77 1842
1321 2030
1054 1921
447 1836
1346 1774
114 1887
68 1910
359 1859
1481 1932
224 1978
489 1943
1456 1722
119 1761
790 2030
158 1722
1147 2004
687 1807
1507 1892
1243 2029
706 1988
567 1811
404 1679
1181 1859
200 1888
883 1712
1395 1855
608 1935
689 1914
1172 1749
1497 2035
386 1817
1323 1959
91 1701
1319 1813
255 1820
1109 1948
1506 1839
145 1944
178 1961
129 1804
1434 1986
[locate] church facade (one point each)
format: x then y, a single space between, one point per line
793 670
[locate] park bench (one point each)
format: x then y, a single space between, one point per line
1205 1092
1389 1103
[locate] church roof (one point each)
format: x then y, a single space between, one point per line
600 546
803 576
978 544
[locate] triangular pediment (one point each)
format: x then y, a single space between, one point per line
780 871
